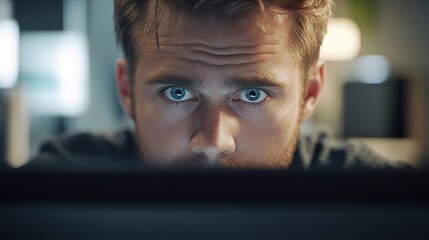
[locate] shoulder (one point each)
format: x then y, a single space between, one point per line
321 150
120 145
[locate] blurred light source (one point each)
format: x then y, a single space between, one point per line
54 70
342 42
371 69
9 51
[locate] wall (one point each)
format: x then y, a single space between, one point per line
104 112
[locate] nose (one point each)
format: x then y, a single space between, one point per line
214 134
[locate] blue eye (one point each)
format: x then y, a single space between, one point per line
178 94
253 95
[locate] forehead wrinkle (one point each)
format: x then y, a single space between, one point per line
234 41
216 57
219 51
210 60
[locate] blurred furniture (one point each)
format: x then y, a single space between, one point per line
388 116
375 110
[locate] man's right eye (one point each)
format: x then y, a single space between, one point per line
178 94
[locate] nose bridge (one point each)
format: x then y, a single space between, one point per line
212 121
214 132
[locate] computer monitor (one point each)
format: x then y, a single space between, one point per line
133 202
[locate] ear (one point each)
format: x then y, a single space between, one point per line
123 85
314 87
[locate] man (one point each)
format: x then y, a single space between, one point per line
219 83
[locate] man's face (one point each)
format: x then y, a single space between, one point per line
229 96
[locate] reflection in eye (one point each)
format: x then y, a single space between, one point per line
253 95
178 94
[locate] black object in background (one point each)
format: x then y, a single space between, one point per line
40 15
375 110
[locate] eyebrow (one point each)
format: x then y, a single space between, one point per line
252 82
196 83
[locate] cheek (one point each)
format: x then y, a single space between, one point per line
162 129
268 131
276 116
273 126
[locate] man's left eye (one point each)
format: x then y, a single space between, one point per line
253 95
178 94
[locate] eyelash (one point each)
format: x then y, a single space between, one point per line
174 103
257 104
252 105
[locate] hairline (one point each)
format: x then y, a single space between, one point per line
151 32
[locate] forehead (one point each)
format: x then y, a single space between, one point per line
258 40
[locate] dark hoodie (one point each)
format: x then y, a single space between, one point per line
316 151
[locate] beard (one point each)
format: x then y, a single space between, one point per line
282 160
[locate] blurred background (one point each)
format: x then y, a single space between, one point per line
57 74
